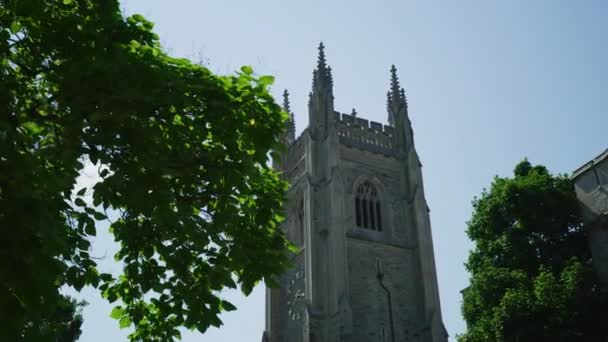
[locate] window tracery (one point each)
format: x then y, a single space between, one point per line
368 214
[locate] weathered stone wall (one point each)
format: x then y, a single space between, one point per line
591 185
369 300
395 247
361 313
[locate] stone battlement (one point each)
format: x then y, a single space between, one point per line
363 134
351 120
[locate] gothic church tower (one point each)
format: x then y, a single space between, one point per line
365 270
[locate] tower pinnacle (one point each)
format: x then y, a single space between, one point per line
321 62
286 104
396 100
321 98
291 123
322 79
394 81
403 98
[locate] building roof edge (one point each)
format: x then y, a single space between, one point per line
588 165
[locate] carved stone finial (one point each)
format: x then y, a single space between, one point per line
396 100
321 99
394 81
291 123
322 78
403 97
286 104
354 113
321 62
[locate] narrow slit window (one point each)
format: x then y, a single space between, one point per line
372 221
379 216
364 202
358 211
300 228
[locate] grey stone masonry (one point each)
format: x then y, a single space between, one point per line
591 186
365 270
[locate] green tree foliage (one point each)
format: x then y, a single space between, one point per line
183 158
531 274
62 326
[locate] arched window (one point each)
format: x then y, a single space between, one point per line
367 207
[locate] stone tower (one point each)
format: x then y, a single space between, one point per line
356 208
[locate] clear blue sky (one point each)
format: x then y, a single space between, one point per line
488 83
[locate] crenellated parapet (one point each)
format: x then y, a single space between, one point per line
363 134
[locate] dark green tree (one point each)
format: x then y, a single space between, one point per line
531 274
182 154
63 325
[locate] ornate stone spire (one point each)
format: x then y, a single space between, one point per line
396 100
403 98
322 79
403 138
291 123
321 99
286 104
321 62
394 81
